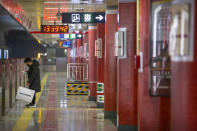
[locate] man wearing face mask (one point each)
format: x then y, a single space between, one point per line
33 78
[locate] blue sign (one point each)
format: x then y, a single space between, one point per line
66 44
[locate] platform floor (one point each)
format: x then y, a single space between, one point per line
56 111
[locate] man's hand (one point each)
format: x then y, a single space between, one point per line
28 84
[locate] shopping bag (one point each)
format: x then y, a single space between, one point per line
25 94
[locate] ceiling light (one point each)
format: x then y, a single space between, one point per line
53 21
52 17
63 2
61 8
56 2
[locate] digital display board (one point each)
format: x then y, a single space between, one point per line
85 17
64 43
54 28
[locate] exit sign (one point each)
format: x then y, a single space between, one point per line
85 17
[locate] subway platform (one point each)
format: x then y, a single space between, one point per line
56 111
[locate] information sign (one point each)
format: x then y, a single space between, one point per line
100 88
85 17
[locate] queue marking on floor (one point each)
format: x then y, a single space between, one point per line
23 121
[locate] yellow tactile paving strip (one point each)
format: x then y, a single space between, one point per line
23 121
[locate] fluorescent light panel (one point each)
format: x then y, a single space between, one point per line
60 8
64 2
53 21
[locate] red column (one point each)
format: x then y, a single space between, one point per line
100 61
92 62
127 73
68 55
153 112
110 65
184 90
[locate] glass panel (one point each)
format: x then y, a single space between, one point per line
160 71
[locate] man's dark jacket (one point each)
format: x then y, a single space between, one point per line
34 76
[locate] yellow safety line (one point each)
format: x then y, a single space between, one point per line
23 121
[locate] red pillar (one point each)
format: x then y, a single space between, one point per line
68 55
110 65
127 73
184 90
153 112
100 61
92 62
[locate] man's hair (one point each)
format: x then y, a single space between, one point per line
27 60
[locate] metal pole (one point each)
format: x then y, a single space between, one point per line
16 79
3 88
10 86
83 73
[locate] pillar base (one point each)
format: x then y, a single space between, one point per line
100 105
112 115
91 98
127 128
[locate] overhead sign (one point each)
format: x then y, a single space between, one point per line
71 36
85 17
54 28
64 43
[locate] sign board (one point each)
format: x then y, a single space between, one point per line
71 36
181 32
121 43
64 43
100 98
54 28
98 48
85 17
100 88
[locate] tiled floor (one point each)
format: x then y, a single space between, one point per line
56 111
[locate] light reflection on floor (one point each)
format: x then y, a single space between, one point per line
58 112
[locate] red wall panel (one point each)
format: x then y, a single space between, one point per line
154 112
184 91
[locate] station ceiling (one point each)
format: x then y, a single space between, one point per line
37 12
45 12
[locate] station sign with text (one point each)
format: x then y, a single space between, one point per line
85 17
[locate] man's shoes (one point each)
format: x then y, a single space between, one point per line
27 105
33 106
30 105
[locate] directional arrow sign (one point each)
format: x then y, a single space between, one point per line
83 17
100 17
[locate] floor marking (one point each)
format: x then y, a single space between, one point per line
23 121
